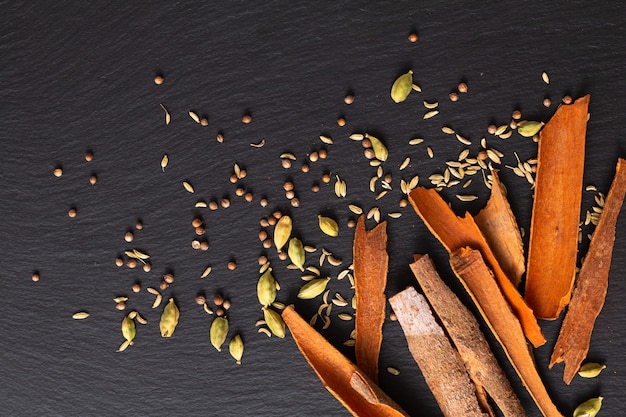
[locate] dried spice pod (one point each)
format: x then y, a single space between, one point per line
401 87
553 244
313 288
370 260
591 370
440 363
218 332
266 288
235 348
380 150
460 324
499 227
458 232
274 321
282 232
471 269
296 253
588 298
328 226
351 386
128 329
589 408
169 319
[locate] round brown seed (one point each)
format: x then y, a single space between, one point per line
58 172
462 88
131 263
119 261
413 37
290 194
219 312
567 99
403 203
341 121
305 167
200 299
315 188
158 79
282 255
163 285
249 197
516 115
218 299
295 202
219 138
369 153
88 156
348 99
326 177
196 222
267 243
213 205
139 224
120 306
136 287
35 276
199 231
204 245
146 267
263 202
225 202
262 260
232 265
204 121
388 178
72 213
195 244
264 222
246 118
288 186
233 178
547 102
169 278
491 129
226 304
323 153
366 143
286 163
314 156
239 192
453 96
351 223
128 236
242 173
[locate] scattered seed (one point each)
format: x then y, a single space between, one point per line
462 87
265 331
344 316
466 197
188 187
430 152
416 141
348 99
547 102
394 215
355 209
447 130
81 315
432 105
430 114
545 78
158 79
194 116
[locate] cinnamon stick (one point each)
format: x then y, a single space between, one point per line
370 262
457 232
439 362
556 210
465 333
359 394
499 227
593 280
469 266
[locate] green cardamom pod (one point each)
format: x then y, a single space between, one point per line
380 151
313 288
169 319
328 225
128 329
275 322
218 332
235 347
296 253
266 288
282 231
589 408
402 87
528 128
591 370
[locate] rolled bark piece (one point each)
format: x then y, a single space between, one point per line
556 210
465 333
593 281
499 227
360 395
370 262
439 362
469 266
458 232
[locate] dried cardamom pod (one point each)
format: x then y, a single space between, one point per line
274 321
380 151
282 231
528 128
313 288
589 408
128 329
296 253
266 288
235 347
328 225
218 332
402 87
591 370
169 319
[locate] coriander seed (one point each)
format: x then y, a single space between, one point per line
453 96
204 245
196 222
136 287
341 121
267 243
263 202
89 156
131 263
263 222
295 202
121 305
232 265
326 178
282 255
262 260
286 163
348 99
226 304
213 205
246 118
462 88
248 197
128 236
239 191
491 129
314 156
158 79
567 99
315 188
547 102
146 267
195 244
58 172
271 221
200 299
323 153
139 224
413 37
305 167
119 261
351 223
204 121
72 213
35 276
225 202
516 115
218 299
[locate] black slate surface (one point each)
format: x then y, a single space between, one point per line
77 77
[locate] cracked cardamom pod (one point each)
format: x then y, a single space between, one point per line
402 87
128 329
235 347
589 408
169 319
218 332
591 370
313 288
266 288
296 253
328 225
282 231
380 151
529 128
274 321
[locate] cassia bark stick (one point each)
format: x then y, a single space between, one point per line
499 227
556 210
360 395
457 232
469 266
370 261
465 333
439 362
593 280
